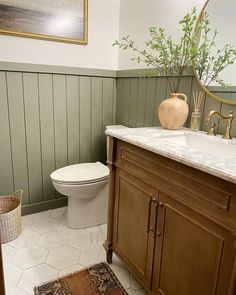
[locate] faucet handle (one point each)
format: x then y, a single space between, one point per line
212 129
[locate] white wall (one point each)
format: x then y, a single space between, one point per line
137 16
218 11
102 27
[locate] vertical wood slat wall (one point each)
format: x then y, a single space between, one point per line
138 100
52 120
49 121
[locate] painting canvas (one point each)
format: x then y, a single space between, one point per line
60 20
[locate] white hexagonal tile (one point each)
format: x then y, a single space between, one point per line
101 231
63 257
26 239
12 274
16 291
71 269
82 239
63 226
36 276
29 257
58 213
53 239
38 216
45 225
92 255
8 253
26 222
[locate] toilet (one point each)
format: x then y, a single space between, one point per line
86 186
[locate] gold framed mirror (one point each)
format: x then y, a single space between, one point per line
221 15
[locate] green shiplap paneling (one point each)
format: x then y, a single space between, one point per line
140 95
150 102
159 96
6 172
96 119
119 100
51 120
126 99
186 88
18 136
107 103
32 123
142 92
60 120
133 102
114 97
72 93
107 110
47 133
85 119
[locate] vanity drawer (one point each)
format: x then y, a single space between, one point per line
201 190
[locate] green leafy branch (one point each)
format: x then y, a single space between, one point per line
164 55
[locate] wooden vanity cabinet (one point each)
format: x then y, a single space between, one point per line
134 219
193 255
172 225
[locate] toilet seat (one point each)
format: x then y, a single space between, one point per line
79 174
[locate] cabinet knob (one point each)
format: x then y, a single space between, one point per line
160 204
151 230
157 234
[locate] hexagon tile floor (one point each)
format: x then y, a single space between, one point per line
47 249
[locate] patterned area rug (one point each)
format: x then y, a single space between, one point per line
97 279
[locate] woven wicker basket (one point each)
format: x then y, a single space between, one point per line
10 216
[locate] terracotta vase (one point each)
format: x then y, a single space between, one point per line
173 112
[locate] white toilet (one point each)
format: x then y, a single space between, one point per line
86 186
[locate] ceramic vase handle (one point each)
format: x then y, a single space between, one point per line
183 96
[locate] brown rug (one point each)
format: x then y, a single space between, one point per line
97 279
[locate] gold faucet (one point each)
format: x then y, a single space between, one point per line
212 130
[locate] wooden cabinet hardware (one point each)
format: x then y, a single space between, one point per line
157 234
150 198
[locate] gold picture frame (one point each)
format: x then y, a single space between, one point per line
59 24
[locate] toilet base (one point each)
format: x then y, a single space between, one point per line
88 212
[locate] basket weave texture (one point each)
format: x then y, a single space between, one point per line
10 217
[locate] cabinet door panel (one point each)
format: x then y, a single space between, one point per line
134 224
193 255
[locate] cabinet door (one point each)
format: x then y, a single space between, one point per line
135 213
193 254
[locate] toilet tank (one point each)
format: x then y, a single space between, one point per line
113 127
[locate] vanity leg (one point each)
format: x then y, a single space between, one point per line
109 256
111 200
109 251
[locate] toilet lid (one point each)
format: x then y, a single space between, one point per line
81 173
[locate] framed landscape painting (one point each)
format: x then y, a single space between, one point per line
56 20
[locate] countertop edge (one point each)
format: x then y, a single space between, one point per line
178 158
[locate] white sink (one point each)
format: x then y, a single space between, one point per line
203 143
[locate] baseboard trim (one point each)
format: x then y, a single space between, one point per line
47 205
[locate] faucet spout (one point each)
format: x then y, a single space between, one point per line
229 118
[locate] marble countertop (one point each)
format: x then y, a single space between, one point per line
218 160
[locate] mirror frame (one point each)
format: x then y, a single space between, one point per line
207 91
